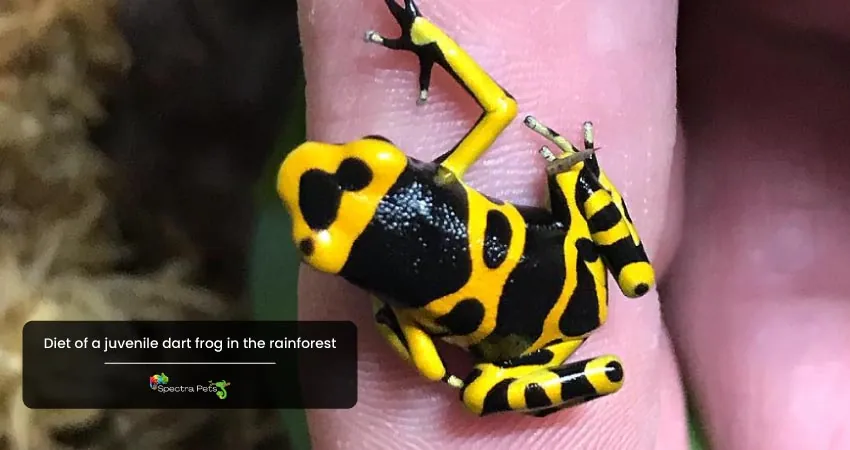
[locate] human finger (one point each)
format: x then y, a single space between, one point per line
607 62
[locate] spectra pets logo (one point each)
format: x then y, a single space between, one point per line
219 388
158 380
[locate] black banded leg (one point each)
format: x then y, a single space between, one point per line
611 227
617 241
538 382
541 391
412 344
614 233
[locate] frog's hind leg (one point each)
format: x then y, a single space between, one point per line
412 344
538 384
612 230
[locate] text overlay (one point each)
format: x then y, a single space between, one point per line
211 364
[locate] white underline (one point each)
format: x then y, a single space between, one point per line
145 363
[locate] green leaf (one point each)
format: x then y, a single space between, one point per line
695 429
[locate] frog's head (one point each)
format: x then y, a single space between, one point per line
332 191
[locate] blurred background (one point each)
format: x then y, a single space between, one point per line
210 107
138 147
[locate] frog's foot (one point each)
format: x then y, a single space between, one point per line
427 51
540 391
570 155
412 344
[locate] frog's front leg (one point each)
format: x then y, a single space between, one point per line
412 343
538 384
433 46
612 230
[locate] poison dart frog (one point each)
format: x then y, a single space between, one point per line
519 287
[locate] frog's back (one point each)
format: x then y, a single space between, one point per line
416 246
427 241
533 290
481 273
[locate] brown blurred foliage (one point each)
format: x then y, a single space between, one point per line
138 230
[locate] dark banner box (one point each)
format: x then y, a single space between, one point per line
212 364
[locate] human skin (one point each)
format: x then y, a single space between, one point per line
750 306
